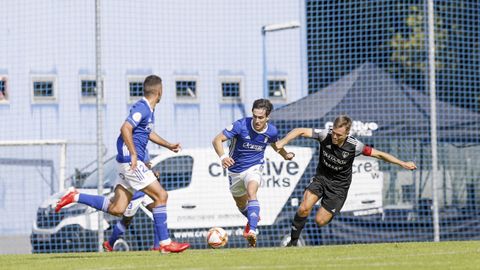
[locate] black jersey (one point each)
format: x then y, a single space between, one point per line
335 162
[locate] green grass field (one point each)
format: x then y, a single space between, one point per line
443 255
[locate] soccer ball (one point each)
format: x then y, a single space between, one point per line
217 237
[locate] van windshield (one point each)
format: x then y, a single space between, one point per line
110 175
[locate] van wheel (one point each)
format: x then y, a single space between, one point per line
286 239
121 245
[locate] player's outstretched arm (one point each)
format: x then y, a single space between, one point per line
286 155
217 143
127 135
409 165
154 137
294 133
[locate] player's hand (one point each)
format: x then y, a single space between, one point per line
289 156
133 163
227 162
409 165
175 147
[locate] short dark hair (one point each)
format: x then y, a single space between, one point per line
149 84
263 104
343 121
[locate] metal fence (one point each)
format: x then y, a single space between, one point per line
378 61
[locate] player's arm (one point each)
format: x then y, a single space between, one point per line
286 155
217 143
154 137
409 165
127 135
294 133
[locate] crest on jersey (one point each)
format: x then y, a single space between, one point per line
345 154
229 128
137 117
265 140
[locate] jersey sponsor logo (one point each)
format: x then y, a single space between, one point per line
358 128
137 117
252 146
333 158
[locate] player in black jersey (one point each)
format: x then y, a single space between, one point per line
334 171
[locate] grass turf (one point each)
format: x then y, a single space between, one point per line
427 255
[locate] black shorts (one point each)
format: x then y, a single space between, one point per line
332 197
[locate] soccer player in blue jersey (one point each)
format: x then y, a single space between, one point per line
337 150
249 137
134 175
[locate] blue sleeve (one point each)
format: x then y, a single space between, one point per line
273 136
137 114
232 130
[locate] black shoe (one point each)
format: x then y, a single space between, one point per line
292 243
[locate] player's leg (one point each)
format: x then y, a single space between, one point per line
238 189
159 211
148 203
241 203
332 202
252 180
253 206
122 225
312 194
323 217
115 207
253 212
239 192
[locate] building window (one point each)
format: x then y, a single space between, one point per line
43 90
88 88
186 89
230 90
3 89
277 89
135 90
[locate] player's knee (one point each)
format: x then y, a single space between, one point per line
163 196
322 221
303 211
160 198
115 211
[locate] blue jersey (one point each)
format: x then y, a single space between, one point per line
248 145
141 118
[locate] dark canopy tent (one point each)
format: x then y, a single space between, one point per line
402 116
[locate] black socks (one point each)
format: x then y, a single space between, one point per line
297 226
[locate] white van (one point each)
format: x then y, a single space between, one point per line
199 198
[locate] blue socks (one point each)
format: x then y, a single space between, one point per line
117 232
95 201
244 211
253 210
160 220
